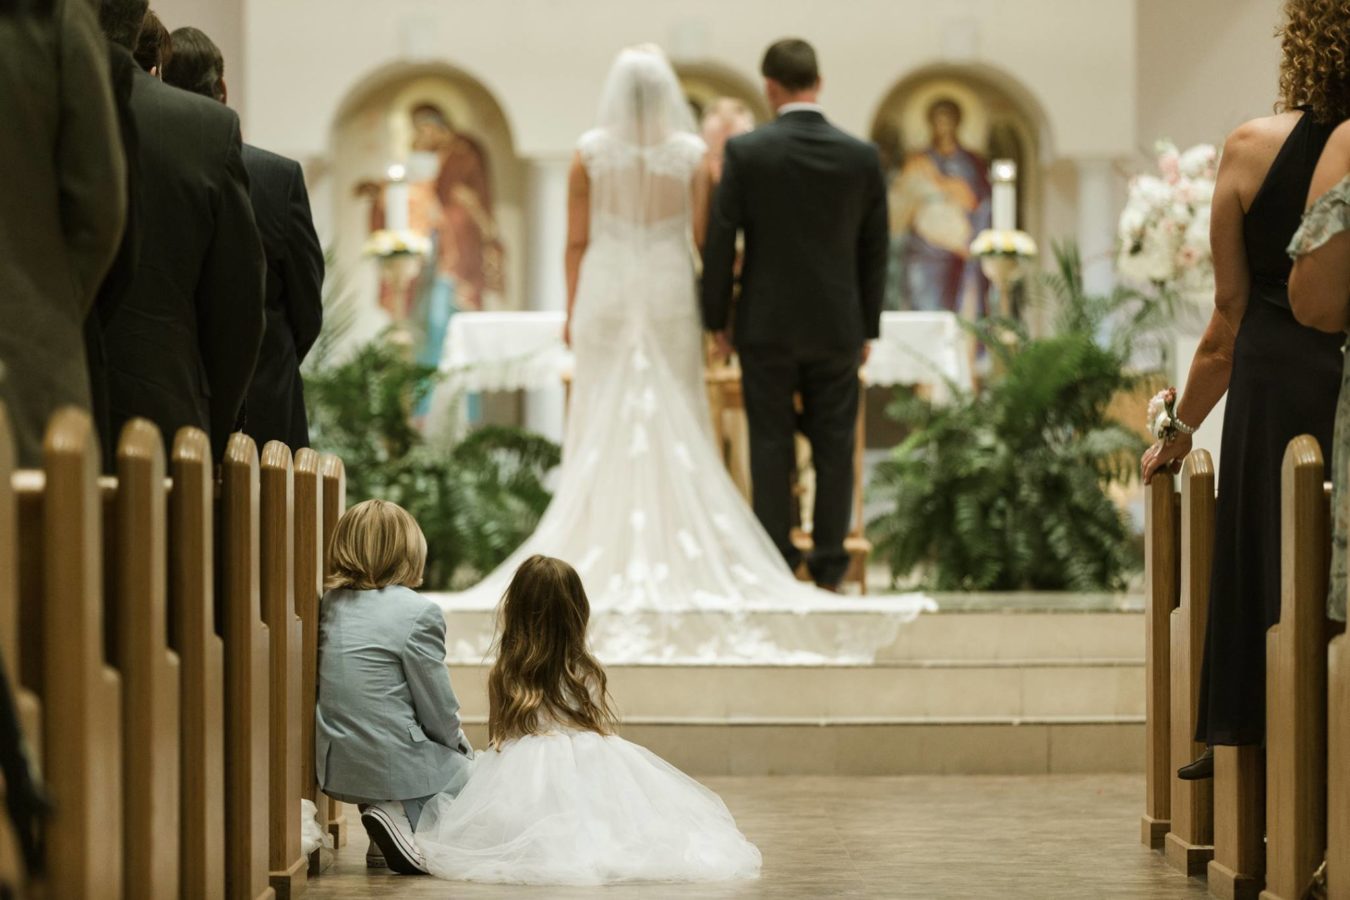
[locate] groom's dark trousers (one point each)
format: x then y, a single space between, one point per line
828 385
811 203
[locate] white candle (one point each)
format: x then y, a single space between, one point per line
397 199
1003 174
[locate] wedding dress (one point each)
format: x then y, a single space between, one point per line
674 561
570 807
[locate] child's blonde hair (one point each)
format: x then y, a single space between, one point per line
376 544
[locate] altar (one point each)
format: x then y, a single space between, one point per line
524 351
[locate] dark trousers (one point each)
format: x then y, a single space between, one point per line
771 379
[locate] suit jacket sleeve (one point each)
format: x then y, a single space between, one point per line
726 218
231 292
93 186
118 280
304 269
433 698
873 249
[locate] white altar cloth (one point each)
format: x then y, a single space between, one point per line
521 351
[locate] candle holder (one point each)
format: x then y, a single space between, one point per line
1005 257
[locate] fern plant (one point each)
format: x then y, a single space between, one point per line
1008 489
476 500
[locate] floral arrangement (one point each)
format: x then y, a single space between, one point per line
1164 228
1003 243
1163 423
386 244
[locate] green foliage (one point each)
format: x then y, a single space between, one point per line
1007 489
476 500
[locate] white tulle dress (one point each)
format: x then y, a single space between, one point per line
578 808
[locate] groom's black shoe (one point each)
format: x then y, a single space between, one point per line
388 828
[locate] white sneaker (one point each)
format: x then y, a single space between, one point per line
389 829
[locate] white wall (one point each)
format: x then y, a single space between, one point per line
1205 67
1109 77
1200 67
544 61
223 22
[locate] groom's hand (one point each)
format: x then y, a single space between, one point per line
866 352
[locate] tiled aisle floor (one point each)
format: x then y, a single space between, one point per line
1041 838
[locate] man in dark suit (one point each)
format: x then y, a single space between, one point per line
184 341
62 206
275 409
116 284
811 203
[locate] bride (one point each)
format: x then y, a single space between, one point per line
644 509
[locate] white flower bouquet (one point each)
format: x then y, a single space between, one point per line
386 244
1003 243
1164 228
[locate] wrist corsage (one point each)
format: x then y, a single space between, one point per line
1163 423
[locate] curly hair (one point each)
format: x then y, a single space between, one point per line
1315 70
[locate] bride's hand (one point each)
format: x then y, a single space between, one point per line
1165 456
567 332
722 343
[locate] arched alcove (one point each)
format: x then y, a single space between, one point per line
995 117
706 82
384 120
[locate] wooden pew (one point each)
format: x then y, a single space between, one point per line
286 864
309 574
1296 668
1190 841
246 677
1338 768
1238 869
137 566
1162 576
334 502
65 662
192 600
12 876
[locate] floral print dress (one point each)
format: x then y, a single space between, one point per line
1327 217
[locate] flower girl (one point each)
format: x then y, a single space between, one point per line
559 798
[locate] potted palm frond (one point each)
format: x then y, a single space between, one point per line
1010 488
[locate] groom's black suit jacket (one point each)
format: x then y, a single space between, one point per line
812 204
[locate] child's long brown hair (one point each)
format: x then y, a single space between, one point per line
544 673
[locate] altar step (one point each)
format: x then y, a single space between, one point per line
1019 686
1014 692
966 628
931 747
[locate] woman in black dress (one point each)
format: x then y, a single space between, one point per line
1281 377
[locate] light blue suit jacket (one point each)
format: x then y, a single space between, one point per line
387 725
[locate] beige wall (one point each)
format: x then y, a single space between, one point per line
1201 66
1205 66
1105 78
545 61
223 21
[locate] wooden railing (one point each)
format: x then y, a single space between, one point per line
160 631
1269 818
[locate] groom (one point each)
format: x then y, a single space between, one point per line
811 203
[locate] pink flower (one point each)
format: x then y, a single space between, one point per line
1169 163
